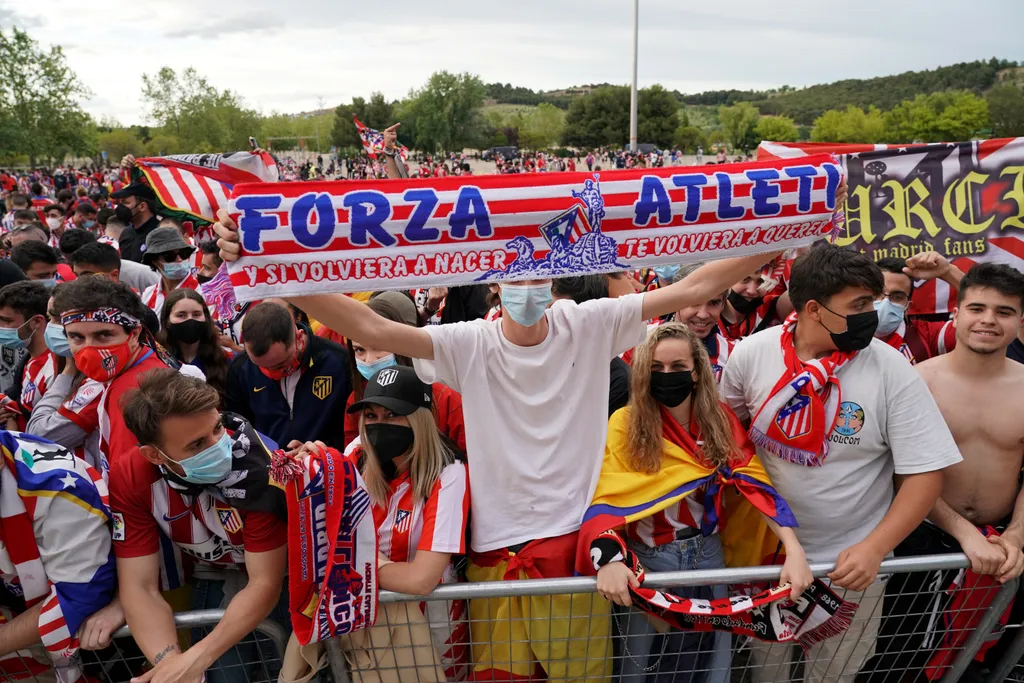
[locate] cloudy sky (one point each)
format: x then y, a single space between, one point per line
286 56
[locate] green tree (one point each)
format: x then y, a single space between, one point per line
738 122
378 112
600 118
656 116
447 111
1006 110
963 118
541 128
937 117
119 142
344 134
851 125
163 144
40 111
776 129
689 137
203 118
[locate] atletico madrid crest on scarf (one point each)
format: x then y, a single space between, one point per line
799 414
332 545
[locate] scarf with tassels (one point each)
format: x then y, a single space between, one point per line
332 544
795 420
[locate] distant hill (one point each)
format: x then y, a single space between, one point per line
806 104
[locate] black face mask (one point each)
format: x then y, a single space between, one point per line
187 331
389 442
671 388
203 279
743 305
860 329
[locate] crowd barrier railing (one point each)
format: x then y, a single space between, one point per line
908 628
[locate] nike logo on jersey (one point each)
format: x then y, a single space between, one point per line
257 389
175 517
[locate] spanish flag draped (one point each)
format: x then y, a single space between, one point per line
624 495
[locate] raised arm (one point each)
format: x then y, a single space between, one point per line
702 284
344 315
355 320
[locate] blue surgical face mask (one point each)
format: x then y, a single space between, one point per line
177 271
10 338
367 370
57 340
666 273
526 303
209 466
890 316
49 282
88 225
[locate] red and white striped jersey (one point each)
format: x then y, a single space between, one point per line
153 296
719 349
661 527
115 438
437 524
37 378
203 527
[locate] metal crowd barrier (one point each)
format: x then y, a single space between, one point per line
907 629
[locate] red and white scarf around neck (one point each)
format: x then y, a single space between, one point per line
795 420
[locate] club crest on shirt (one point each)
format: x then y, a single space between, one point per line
322 386
230 520
402 520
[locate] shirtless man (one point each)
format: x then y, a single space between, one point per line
971 385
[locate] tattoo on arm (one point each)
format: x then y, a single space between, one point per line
164 652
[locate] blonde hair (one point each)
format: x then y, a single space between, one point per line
428 456
644 434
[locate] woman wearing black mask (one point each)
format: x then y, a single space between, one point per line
420 492
671 456
188 334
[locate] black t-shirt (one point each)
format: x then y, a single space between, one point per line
618 388
133 239
1015 351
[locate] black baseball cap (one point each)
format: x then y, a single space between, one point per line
396 388
140 190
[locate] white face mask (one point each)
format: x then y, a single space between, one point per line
54 223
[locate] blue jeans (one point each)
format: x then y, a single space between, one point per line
684 656
242 663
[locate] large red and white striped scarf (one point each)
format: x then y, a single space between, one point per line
801 410
200 184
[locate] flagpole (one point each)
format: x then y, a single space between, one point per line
632 95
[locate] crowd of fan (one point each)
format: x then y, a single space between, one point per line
140 412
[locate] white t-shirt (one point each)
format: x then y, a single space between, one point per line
888 422
536 417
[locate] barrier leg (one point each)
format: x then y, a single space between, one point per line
981 632
1010 659
336 660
